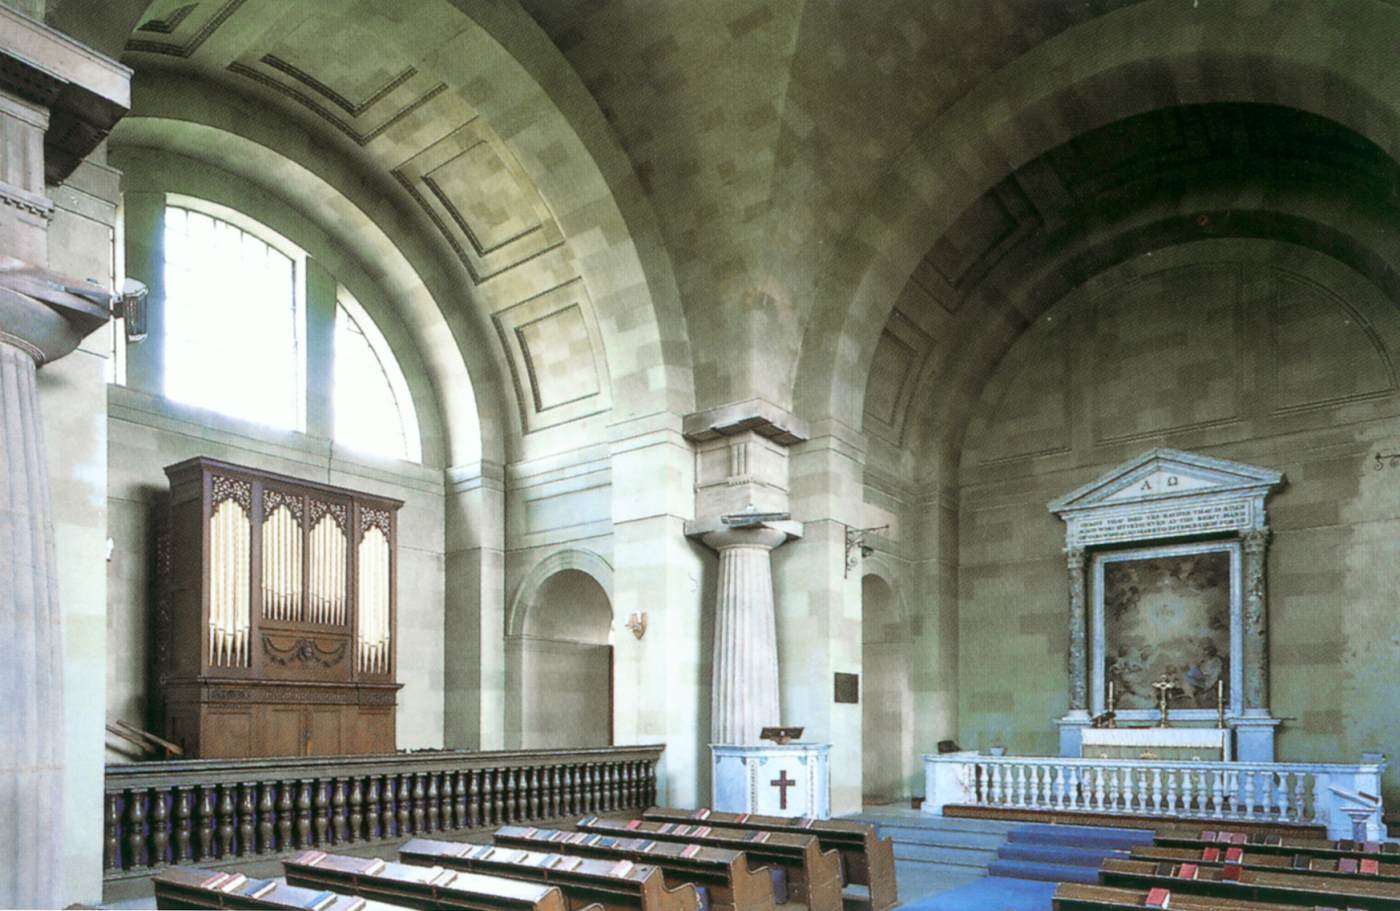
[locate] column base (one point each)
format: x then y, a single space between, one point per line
1072 732
1254 737
792 779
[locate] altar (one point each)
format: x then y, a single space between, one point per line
1170 744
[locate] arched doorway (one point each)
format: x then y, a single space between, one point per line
563 659
886 742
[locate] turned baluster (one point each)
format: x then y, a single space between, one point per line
372 809
226 814
387 810
265 814
512 796
473 798
322 818
159 821
434 802
405 802
595 787
566 791
339 825
357 806
1299 814
535 804
246 844
651 783
285 815
111 824
206 823
556 791
609 772
498 798
135 829
459 800
488 797
522 796
445 802
634 784
304 813
419 795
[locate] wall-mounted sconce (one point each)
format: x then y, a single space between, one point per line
637 623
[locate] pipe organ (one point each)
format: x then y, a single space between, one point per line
275 615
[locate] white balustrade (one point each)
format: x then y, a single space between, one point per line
1337 796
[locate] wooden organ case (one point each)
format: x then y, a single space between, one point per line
275 627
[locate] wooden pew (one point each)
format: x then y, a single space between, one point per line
867 858
1081 897
724 873
194 887
616 885
814 875
420 887
1277 844
1249 858
1255 885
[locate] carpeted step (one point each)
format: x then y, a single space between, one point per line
959 855
990 894
913 822
1045 872
940 836
1081 836
1057 854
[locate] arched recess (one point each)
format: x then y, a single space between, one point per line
887 730
1086 77
559 655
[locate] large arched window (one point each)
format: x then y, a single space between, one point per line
373 411
233 321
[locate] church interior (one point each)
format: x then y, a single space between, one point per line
732 454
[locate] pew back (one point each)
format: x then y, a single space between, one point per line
195 887
419 887
1286 888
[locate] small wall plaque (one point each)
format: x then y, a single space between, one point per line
847 688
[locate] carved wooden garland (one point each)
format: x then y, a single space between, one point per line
304 652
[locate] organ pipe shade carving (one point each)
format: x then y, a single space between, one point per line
329 571
282 565
230 595
373 609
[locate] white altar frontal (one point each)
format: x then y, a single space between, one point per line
791 779
1181 744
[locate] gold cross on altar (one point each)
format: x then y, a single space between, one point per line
1164 687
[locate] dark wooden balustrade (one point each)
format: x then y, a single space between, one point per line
219 812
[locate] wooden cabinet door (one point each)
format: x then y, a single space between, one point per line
324 729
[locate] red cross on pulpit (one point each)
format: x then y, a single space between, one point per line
782 783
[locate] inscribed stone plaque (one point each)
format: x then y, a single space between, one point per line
1167 615
847 688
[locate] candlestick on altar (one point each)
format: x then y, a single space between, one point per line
1220 703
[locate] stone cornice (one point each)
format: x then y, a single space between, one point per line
753 416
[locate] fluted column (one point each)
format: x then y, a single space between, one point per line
745 693
1078 634
1256 630
31 660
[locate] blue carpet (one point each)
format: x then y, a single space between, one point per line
1050 873
1081 836
991 894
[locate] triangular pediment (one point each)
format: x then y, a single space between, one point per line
1168 473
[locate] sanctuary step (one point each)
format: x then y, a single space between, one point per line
1069 817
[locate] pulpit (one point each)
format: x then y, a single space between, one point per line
790 779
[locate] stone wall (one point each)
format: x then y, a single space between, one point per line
1245 350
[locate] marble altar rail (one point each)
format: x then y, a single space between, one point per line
226 812
1344 798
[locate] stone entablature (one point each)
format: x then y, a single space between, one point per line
1166 493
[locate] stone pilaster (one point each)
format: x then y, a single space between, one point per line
31 649
1078 632
744 698
1256 631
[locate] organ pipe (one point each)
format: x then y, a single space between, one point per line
230 537
373 608
281 568
329 572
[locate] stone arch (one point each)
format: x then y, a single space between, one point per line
1091 75
154 170
887 728
584 561
559 655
